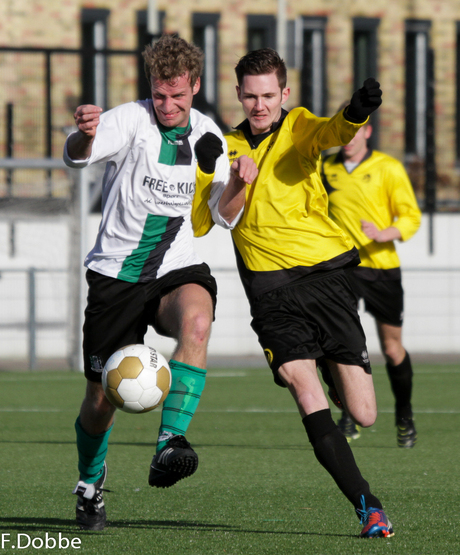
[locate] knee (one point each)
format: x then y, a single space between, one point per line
394 352
365 416
196 325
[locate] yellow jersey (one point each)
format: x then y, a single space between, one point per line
285 232
378 190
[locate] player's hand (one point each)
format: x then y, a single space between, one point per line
365 100
207 149
244 169
370 230
87 119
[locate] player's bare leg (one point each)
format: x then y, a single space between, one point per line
390 338
93 427
399 369
96 412
186 314
356 390
330 446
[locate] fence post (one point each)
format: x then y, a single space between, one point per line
32 320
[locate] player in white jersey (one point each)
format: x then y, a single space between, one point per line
143 269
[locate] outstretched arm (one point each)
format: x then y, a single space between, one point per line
79 144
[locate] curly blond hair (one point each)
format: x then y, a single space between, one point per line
171 57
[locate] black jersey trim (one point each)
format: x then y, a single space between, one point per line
377 274
257 283
255 140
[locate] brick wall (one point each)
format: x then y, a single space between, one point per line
53 23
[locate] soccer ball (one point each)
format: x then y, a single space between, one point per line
136 378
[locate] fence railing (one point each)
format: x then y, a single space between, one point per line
438 303
32 323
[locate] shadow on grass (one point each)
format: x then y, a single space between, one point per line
40 525
151 445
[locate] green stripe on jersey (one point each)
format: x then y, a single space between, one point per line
168 151
132 267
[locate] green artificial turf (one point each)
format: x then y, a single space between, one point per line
258 490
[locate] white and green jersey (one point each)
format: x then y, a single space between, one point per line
147 191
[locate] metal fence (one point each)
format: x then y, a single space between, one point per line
38 309
44 243
33 300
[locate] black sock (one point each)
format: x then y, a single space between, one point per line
334 453
401 385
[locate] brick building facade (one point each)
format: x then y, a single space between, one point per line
330 45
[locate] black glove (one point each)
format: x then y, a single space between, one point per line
207 149
364 101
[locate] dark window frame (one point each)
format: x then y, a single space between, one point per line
417 32
266 25
365 62
144 38
90 58
204 101
313 29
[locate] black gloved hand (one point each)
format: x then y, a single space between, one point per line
207 149
364 101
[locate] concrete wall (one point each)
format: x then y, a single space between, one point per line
431 283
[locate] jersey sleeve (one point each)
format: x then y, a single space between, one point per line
209 189
403 202
311 134
113 134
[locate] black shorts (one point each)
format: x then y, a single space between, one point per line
311 318
118 312
383 299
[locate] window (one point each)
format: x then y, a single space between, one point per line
364 49
261 32
417 71
144 38
365 58
94 64
206 37
313 64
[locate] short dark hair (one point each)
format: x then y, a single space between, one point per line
171 57
262 62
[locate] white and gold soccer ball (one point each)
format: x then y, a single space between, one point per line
136 378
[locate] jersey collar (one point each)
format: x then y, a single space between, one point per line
339 159
255 140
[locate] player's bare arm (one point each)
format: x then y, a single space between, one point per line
80 144
380 236
242 171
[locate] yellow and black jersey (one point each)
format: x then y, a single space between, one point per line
378 190
285 231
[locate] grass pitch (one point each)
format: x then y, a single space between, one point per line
258 490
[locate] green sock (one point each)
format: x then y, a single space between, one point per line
92 450
180 405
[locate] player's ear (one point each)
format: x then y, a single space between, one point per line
238 92
285 94
368 131
196 86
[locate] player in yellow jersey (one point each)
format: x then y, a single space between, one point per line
372 199
291 258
